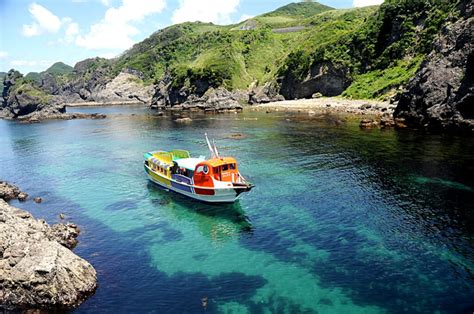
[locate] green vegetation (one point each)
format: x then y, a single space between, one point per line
59 68
24 87
298 10
372 47
379 48
377 83
61 71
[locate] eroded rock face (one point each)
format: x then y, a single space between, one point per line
126 87
441 95
325 78
37 268
205 98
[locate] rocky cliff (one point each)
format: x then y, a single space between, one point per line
38 270
441 95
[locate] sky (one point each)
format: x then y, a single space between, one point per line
35 34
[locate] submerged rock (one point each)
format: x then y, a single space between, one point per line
37 267
183 120
368 124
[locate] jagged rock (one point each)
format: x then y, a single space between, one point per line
441 95
9 191
49 84
265 94
126 87
202 98
37 270
38 199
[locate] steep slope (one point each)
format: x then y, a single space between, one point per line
377 57
441 95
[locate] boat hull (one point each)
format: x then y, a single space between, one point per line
222 195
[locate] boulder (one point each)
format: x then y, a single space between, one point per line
9 191
37 268
265 94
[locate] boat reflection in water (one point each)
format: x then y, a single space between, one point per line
218 222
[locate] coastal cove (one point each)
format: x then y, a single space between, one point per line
341 219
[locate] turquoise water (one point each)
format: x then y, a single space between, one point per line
340 221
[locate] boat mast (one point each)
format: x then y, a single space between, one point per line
213 153
215 148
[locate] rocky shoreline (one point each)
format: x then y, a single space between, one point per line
38 270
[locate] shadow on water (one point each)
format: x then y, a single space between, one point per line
228 218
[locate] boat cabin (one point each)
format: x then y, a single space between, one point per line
221 169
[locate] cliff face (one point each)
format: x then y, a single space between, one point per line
441 95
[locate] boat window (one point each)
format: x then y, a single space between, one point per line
232 166
200 169
225 167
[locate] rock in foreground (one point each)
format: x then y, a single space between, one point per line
37 268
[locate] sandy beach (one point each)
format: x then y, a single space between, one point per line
330 105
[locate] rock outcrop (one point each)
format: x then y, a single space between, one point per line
37 268
324 78
441 95
9 192
203 97
125 87
265 94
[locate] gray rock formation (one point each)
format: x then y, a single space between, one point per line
202 97
325 78
265 94
441 95
37 268
9 192
125 87
22 103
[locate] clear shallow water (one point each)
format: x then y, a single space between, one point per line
341 220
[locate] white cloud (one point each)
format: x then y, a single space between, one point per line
364 3
105 2
43 21
3 54
245 17
71 31
30 63
215 11
115 30
109 55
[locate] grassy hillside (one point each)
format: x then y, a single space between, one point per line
381 53
233 58
59 68
299 9
378 48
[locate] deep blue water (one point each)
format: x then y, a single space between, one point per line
341 220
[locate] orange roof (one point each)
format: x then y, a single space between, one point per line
215 162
